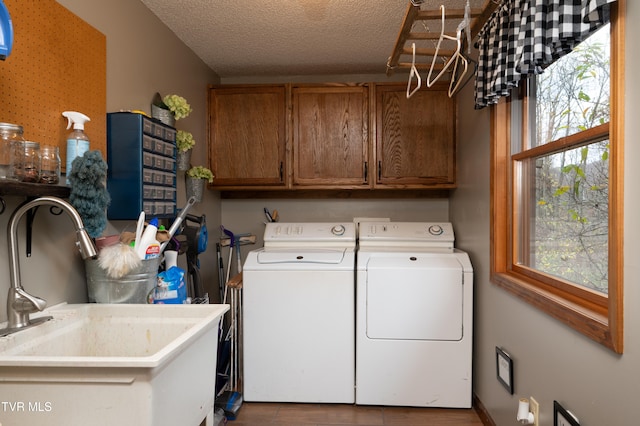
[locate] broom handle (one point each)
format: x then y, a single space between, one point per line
176 223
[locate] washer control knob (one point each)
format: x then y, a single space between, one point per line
338 230
436 230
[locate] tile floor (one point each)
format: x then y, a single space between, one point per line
259 414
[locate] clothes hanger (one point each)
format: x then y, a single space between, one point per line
451 60
412 73
460 58
461 80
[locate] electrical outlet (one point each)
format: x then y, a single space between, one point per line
534 407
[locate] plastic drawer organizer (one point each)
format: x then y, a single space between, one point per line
141 155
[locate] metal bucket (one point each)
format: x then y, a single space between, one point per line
183 160
132 288
164 115
195 188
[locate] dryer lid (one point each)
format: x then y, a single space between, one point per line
415 298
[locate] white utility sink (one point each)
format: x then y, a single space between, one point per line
103 364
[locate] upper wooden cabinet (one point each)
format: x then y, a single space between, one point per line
247 136
414 138
330 136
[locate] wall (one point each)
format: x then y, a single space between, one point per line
143 57
551 361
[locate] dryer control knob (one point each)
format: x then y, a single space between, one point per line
436 230
338 230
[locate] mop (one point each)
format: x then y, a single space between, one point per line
224 343
231 399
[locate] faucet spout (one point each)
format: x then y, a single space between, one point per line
20 303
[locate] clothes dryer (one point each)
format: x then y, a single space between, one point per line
298 314
414 322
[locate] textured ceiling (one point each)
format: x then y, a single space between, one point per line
290 37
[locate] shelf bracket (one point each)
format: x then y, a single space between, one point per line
31 191
31 215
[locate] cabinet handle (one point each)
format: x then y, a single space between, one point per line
366 170
281 172
379 170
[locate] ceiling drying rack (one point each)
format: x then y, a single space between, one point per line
437 58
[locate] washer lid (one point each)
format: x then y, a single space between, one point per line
290 256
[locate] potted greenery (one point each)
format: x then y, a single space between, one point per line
195 178
184 143
170 108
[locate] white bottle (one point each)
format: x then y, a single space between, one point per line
170 259
77 140
148 247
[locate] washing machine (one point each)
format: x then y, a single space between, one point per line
414 310
298 314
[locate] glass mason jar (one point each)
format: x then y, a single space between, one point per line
10 134
26 165
49 164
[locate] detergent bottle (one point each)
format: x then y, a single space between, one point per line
77 140
148 247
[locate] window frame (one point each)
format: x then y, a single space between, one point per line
597 316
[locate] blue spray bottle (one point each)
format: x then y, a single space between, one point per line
77 140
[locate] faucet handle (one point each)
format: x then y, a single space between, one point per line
25 302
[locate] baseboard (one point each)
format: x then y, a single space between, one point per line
485 418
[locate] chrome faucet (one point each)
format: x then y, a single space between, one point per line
20 303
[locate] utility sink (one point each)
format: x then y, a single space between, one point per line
106 364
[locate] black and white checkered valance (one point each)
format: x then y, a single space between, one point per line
522 37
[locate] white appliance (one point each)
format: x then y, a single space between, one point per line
414 316
298 314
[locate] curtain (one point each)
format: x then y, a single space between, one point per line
522 37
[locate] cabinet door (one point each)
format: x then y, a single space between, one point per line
247 135
330 136
415 138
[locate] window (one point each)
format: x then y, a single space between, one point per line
557 189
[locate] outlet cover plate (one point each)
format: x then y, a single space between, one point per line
504 369
562 417
534 407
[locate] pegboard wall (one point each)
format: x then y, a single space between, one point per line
58 63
